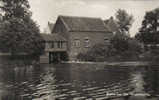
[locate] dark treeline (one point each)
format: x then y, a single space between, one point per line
19 34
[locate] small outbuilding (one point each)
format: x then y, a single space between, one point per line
55 48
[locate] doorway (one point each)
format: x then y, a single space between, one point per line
56 57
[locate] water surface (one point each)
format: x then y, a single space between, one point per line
70 81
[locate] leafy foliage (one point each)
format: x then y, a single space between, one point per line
124 21
102 52
18 32
15 8
98 52
120 42
121 47
121 23
148 33
121 39
126 48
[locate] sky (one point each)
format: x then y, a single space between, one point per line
48 10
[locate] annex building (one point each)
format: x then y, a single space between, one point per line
72 35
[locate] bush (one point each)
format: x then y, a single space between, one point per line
102 52
99 52
151 55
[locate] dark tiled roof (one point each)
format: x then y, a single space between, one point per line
84 24
53 37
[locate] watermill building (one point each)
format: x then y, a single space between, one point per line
74 35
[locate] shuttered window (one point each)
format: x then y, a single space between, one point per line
106 40
87 42
77 43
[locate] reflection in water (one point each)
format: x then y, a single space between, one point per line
138 82
67 81
46 88
151 78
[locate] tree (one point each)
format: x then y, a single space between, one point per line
123 44
15 8
120 42
126 47
124 21
121 39
18 32
111 24
149 33
121 23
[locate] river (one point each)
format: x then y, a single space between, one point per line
75 81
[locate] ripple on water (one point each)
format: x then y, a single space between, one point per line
70 82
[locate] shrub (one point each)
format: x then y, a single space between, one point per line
102 52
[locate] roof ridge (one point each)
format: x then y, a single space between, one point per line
64 23
79 17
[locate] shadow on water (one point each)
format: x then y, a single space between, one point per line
68 81
151 78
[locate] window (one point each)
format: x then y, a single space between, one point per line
106 40
59 44
77 43
47 45
52 45
114 33
87 42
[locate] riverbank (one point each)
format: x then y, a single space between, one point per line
126 63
